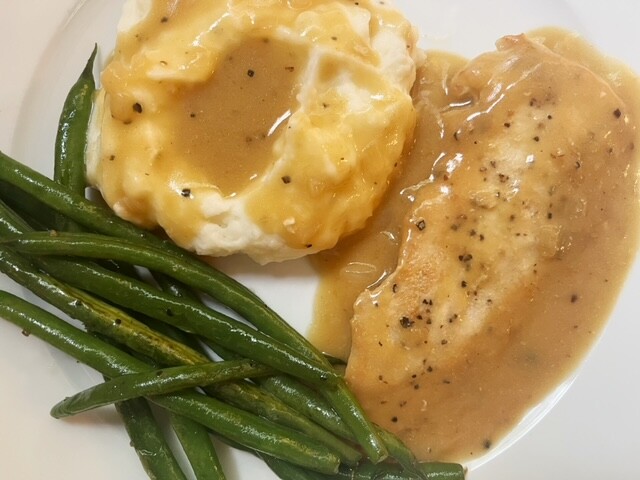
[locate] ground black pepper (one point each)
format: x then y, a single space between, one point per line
406 322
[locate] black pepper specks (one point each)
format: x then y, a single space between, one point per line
185 192
286 179
137 107
574 298
406 322
421 225
465 257
251 73
617 113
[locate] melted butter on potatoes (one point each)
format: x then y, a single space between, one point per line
265 127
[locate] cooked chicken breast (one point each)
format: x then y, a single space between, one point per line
533 153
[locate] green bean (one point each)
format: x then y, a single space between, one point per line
157 382
148 440
427 470
198 448
442 471
285 408
307 401
286 446
237 425
174 287
249 397
401 454
38 214
73 124
188 316
71 138
297 395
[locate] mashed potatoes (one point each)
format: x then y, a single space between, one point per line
265 127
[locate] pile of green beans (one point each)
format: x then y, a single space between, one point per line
149 332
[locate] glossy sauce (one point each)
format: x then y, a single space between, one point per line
526 195
227 127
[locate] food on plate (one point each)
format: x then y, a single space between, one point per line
491 253
491 275
267 128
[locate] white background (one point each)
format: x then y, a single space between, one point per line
592 433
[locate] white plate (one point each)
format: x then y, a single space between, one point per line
592 433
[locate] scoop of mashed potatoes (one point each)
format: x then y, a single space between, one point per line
264 127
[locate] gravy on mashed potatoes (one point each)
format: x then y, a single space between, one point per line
496 257
264 127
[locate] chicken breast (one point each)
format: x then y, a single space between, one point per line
536 145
